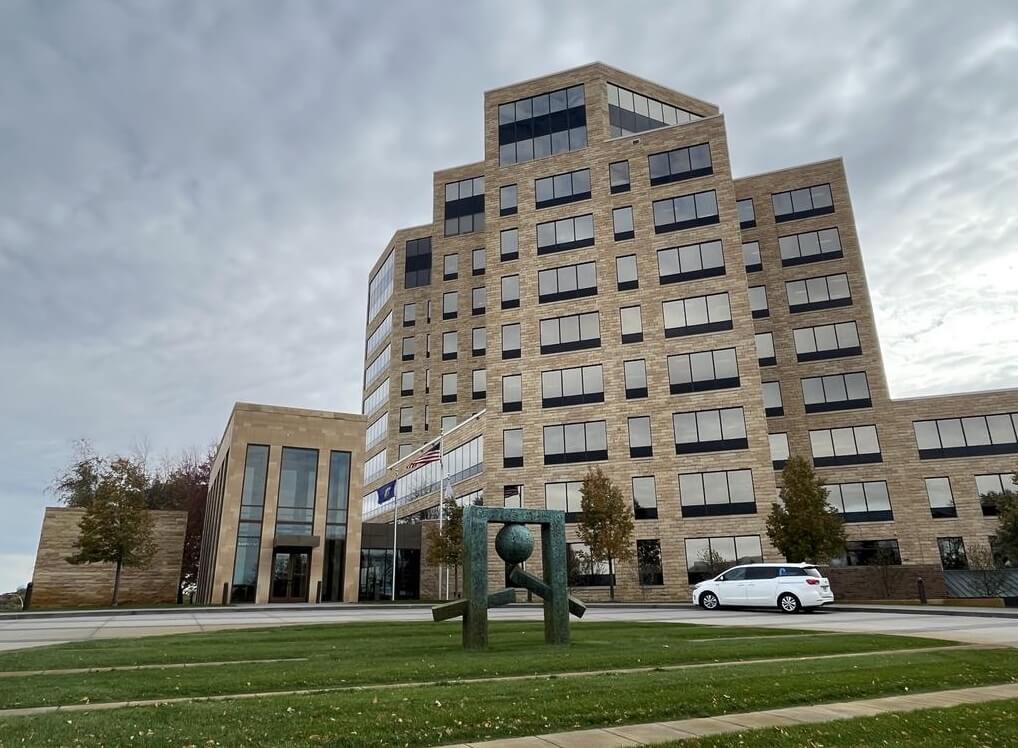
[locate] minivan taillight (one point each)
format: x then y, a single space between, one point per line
812 580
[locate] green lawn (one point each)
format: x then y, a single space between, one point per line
990 725
449 712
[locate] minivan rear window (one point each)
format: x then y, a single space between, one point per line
792 571
812 571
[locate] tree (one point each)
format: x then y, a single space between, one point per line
804 527
887 564
116 527
714 562
183 485
606 524
445 545
991 577
76 486
1005 539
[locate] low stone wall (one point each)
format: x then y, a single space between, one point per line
58 584
885 583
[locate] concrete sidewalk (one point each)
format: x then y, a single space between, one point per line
655 733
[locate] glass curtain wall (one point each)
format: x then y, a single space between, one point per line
335 526
249 529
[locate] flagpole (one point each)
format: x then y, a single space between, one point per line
441 506
395 515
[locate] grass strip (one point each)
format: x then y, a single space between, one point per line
452 713
413 652
990 725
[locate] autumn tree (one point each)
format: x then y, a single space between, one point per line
804 527
445 544
983 560
116 527
606 523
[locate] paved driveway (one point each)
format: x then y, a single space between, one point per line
55 628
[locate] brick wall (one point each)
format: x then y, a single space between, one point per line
868 582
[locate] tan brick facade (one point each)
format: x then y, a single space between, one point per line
913 525
59 584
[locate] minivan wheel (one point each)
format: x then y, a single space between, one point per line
709 601
789 603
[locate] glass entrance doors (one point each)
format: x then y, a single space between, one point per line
290 573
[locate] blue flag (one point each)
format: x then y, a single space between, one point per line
386 492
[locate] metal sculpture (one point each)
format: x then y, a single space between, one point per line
514 544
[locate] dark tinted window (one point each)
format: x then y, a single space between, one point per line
793 571
761 572
735 575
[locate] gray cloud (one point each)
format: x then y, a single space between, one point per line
192 193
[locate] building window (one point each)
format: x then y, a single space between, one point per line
677 264
478 261
773 406
630 112
562 188
572 333
478 301
507 200
697 315
718 493
510 291
450 305
824 292
565 234
751 257
626 274
427 417
512 497
378 397
464 206
450 345
702 371
509 244
811 246
541 126
478 384
941 498
758 302
417 263
478 341
648 560
450 267
376 431
836 392
764 342
249 529
449 387
404 450
298 476
565 497
869 553
779 450
512 393
618 176
747 214
974 436
409 315
952 553
640 443
854 445
635 374
622 221
803 203
448 423
709 431
989 486
380 285
406 383
708 557
567 282
826 341
575 442
409 349
861 502
682 163
379 365
575 386
632 324
511 341
644 497
512 448
685 211
379 336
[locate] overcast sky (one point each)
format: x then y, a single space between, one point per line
192 193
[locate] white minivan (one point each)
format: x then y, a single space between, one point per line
790 587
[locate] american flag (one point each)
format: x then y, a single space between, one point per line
432 454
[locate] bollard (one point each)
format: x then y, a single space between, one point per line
318 594
226 593
921 585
